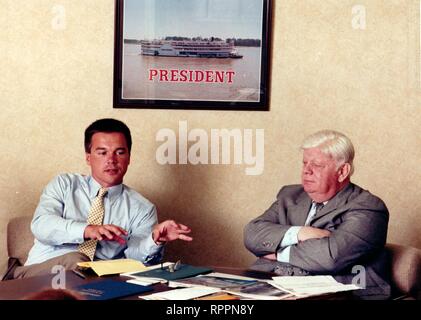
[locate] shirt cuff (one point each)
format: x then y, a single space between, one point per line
283 255
150 244
77 231
154 251
291 237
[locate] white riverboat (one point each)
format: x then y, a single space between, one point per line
189 48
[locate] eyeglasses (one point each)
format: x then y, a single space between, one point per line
172 267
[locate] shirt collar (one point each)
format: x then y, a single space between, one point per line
112 193
314 202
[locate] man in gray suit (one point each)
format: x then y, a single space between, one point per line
327 225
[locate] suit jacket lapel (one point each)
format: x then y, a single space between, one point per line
299 212
337 201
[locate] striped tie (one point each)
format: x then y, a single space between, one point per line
95 217
319 206
315 208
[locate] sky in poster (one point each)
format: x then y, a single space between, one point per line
155 19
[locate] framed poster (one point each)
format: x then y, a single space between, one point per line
192 54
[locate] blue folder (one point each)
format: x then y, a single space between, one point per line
109 289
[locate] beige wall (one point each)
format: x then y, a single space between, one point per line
325 74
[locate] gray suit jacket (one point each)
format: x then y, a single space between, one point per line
358 223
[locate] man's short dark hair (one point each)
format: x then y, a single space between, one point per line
108 126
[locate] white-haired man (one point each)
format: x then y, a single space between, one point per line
325 225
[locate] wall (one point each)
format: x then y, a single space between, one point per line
325 74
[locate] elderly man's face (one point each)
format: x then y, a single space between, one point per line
319 175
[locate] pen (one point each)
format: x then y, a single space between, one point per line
80 274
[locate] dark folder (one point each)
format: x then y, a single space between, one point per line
185 271
109 289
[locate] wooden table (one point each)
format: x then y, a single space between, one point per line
20 288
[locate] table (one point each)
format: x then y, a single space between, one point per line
20 288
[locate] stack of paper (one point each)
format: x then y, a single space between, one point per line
214 279
242 287
181 294
260 290
311 285
107 267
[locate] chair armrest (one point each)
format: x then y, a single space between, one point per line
406 269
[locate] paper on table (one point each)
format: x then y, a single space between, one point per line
259 290
220 296
146 280
181 294
229 276
311 285
106 267
214 280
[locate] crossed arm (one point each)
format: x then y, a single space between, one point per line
361 232
305 233
360 235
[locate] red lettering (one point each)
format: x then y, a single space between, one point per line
152 73
174 74
183 75
163 74
199 75
209 74
219 76
230 75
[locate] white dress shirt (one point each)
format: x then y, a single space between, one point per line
291 236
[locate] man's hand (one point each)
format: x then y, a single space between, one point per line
108 232
306 233
170 230
270 256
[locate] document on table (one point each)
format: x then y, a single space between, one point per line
106 267
311 285
145 281
214 279
181 294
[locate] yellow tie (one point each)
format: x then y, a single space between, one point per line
95 217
